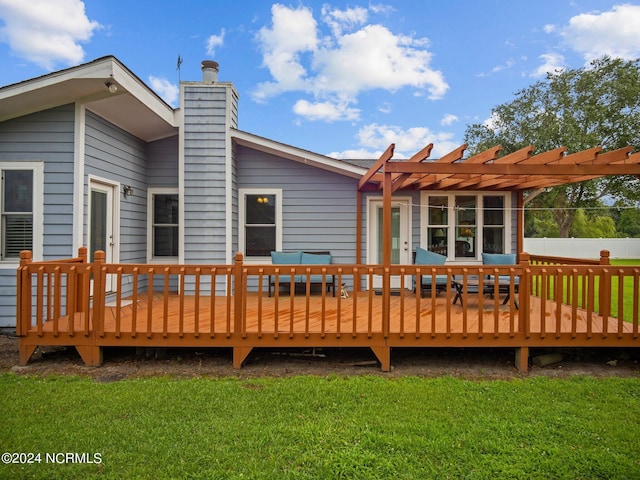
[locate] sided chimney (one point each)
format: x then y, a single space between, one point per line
209 71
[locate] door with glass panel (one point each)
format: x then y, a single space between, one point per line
101 231
400 238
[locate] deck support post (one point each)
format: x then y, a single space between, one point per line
522 359
90 354
240 354
26 351
383 355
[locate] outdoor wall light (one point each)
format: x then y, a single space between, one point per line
112 87
127 191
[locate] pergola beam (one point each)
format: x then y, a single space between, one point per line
404 179
518 169
384 158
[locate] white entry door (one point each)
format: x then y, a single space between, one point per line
102 231
400 237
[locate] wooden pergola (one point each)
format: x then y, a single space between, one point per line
487 171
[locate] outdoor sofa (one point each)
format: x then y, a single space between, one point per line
301 258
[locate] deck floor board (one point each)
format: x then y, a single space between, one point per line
269 315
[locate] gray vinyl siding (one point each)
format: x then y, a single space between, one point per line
162 164
318 207
46 136
115 155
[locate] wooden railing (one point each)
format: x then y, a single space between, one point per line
228 305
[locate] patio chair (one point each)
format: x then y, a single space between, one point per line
427 257
501 259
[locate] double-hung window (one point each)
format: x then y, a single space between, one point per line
20 210
260 222
164 224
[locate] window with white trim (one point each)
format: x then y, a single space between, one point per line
463 225
164 224
260 222
20 219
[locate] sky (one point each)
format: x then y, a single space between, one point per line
343 79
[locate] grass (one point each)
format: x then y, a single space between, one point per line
325 427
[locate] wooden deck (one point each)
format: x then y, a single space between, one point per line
322 316
563 307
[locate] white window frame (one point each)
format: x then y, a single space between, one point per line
451 218
242 193
151 192
38 209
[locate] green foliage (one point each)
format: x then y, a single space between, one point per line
578 109
325 427
592 226
540 224
629 222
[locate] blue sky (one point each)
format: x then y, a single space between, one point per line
341 79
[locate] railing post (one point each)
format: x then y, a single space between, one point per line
80 290
238 293
386 301
23 296
98 292
524 292
604 288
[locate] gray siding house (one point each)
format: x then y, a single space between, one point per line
91 156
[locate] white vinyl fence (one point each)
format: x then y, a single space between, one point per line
583 247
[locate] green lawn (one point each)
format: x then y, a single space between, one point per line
324 427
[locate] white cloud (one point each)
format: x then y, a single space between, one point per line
356 154
551 63
449 119
375 139
215 41
614 33
45 32
349 59
167 90
386 107
293 33
339 20
327 111
508 64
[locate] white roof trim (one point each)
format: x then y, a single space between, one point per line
296 154
86 84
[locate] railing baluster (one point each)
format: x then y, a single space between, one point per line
118 301
196 313
260 288
559 281
134 305
150 274
621 310
212 303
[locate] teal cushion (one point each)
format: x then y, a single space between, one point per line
427 257
315 259
286 258
499 258
441 280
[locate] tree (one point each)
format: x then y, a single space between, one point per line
629 222
592 226
579 109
